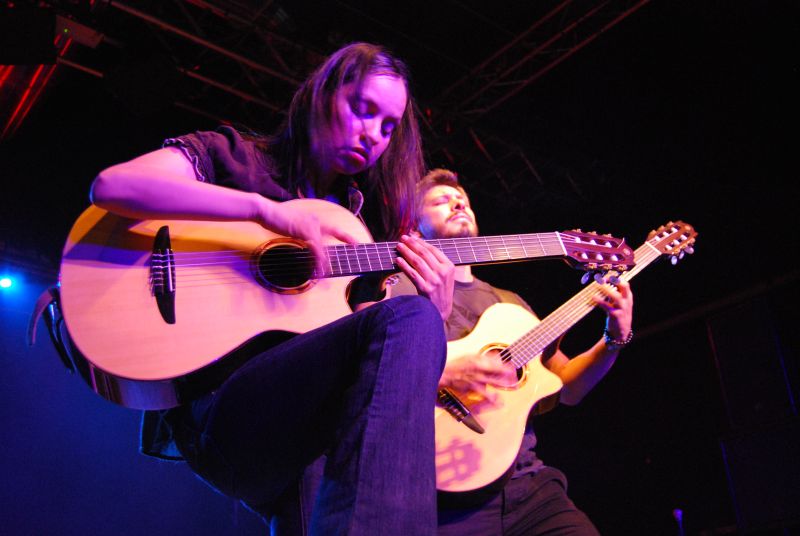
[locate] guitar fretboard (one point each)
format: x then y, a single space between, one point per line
559 321
349 259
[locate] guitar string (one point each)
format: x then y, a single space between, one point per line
301 258
536 340
506 241
280 263
358 250
364 256
186 279
555 324
573 310
206 279
512 244
577 307
501 239
340 250
369 255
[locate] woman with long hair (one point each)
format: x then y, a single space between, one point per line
360 390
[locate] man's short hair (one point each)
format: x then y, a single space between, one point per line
438 177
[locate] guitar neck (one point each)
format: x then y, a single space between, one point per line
567 315
358 259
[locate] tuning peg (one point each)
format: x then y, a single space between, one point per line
681 254
674 260
690 250
614 280
599 278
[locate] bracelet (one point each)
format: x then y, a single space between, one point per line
616 344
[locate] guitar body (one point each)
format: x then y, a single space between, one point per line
465 459
137 358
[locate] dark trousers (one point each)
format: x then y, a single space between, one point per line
361 391
533 504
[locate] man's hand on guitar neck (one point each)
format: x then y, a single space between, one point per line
581 373
617 302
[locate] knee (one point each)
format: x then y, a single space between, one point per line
418 314
420 324
421 309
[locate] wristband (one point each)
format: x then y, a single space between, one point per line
616 344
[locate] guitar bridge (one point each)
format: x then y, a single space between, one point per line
458 410
162 275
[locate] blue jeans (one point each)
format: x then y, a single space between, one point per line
361 391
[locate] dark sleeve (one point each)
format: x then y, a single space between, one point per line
226 158
366 288
403 286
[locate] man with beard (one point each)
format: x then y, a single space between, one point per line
534 500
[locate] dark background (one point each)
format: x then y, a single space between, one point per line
685 110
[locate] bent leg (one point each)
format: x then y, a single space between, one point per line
362 389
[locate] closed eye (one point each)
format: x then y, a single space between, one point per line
367 109
389 127
361 108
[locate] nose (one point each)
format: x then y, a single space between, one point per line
458 203
371 131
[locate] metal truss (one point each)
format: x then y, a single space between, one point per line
561 32
512 169
232 61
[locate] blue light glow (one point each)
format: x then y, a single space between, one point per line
6 282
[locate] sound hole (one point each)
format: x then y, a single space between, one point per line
285 267
513 375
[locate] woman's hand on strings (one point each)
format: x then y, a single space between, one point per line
429 269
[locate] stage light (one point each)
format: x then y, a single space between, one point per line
6 282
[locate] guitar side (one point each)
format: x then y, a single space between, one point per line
112 315
467 460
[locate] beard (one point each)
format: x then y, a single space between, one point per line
448 229
464 229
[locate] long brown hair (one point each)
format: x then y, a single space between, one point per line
299 147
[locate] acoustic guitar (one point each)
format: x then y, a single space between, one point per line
476 441
162 311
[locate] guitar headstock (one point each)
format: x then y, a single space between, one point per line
597 253
674 239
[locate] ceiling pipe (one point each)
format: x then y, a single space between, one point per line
203 42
